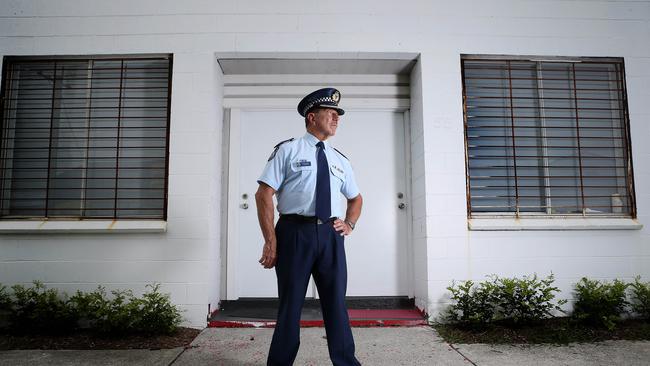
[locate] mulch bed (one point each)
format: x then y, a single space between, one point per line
88 341
556 331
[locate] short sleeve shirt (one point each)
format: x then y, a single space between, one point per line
291 172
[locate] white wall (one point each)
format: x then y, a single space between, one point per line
418 191
617 29
186 259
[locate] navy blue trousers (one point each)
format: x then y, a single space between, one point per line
305 249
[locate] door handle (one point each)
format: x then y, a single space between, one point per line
402 206
245 204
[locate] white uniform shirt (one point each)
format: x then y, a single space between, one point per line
291 171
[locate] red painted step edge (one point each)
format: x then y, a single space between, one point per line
409 318
318 323
385 314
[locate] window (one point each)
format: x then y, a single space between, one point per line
85 137
547 137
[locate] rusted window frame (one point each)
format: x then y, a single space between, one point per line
118 213
625 123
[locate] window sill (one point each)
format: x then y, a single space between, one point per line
559 223
82 226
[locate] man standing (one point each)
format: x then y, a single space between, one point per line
307 174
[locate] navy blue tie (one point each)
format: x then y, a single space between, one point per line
323 196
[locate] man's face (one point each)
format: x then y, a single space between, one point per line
325 121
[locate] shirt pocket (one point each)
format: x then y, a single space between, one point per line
338 177
303 172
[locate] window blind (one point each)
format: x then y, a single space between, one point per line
547 138
85 137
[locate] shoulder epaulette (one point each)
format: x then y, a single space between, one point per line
337 150
282 142
276 147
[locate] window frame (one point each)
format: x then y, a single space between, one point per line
510 215
4 95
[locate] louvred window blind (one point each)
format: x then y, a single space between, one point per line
85 137
547 137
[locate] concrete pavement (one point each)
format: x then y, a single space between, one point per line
375 346
575 354
95 358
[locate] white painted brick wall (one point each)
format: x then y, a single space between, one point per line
187 259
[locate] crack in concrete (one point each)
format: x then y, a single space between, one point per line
460 353
179 354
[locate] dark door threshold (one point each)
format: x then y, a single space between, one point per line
363 311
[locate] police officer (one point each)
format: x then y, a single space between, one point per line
308 175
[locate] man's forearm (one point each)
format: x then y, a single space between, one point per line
354 209
265 215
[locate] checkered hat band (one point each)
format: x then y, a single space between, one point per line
319 101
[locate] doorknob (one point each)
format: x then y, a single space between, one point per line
245 204
402 206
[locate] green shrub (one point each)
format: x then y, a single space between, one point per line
5 307
117 315
641 297
505 299
156 313
5 299
90 307
153 313
38 309
526 300
599 303
473 305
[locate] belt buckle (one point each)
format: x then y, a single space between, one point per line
318 221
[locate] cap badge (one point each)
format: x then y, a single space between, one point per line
336 96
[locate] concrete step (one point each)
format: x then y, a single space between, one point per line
365 313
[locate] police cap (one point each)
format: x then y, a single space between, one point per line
321 98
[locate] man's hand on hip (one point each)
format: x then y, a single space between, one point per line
342 227
269 254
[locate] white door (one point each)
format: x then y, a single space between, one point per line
259 131
377 250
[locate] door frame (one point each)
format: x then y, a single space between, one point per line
230 285
231 139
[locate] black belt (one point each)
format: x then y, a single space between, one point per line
305 219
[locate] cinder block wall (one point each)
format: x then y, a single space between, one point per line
186 259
